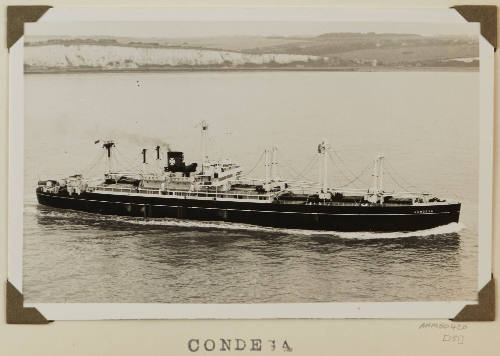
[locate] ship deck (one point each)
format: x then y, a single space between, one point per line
235 195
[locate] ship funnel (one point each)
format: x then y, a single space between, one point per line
144 150
157 149
175 160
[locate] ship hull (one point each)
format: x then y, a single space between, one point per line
279 215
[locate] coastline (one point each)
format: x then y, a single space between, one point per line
261 69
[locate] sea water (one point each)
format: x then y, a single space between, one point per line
425 124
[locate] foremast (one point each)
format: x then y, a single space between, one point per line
108 145
377 191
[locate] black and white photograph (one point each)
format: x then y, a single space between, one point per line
249 162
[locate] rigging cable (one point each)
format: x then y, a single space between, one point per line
350 180
130 165
408 185
335 166
346 166
97 159
118 159
395 181
255 166
358 176
308 167
119 162
289 171
288 165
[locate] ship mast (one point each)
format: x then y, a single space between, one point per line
108 145
274 164
380 172
378 175
323 168
158 162
267 165
204 134
143 152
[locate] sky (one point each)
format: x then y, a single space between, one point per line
174 29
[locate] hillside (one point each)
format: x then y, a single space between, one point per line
124 57
354 51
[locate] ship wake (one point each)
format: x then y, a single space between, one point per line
436 231
362 235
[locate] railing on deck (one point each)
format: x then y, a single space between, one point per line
232 196
187 194
110 189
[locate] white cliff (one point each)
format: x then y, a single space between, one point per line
122 57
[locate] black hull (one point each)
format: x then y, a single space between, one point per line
279 215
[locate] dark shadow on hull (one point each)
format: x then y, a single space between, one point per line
281 216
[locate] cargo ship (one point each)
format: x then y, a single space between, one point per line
219 191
